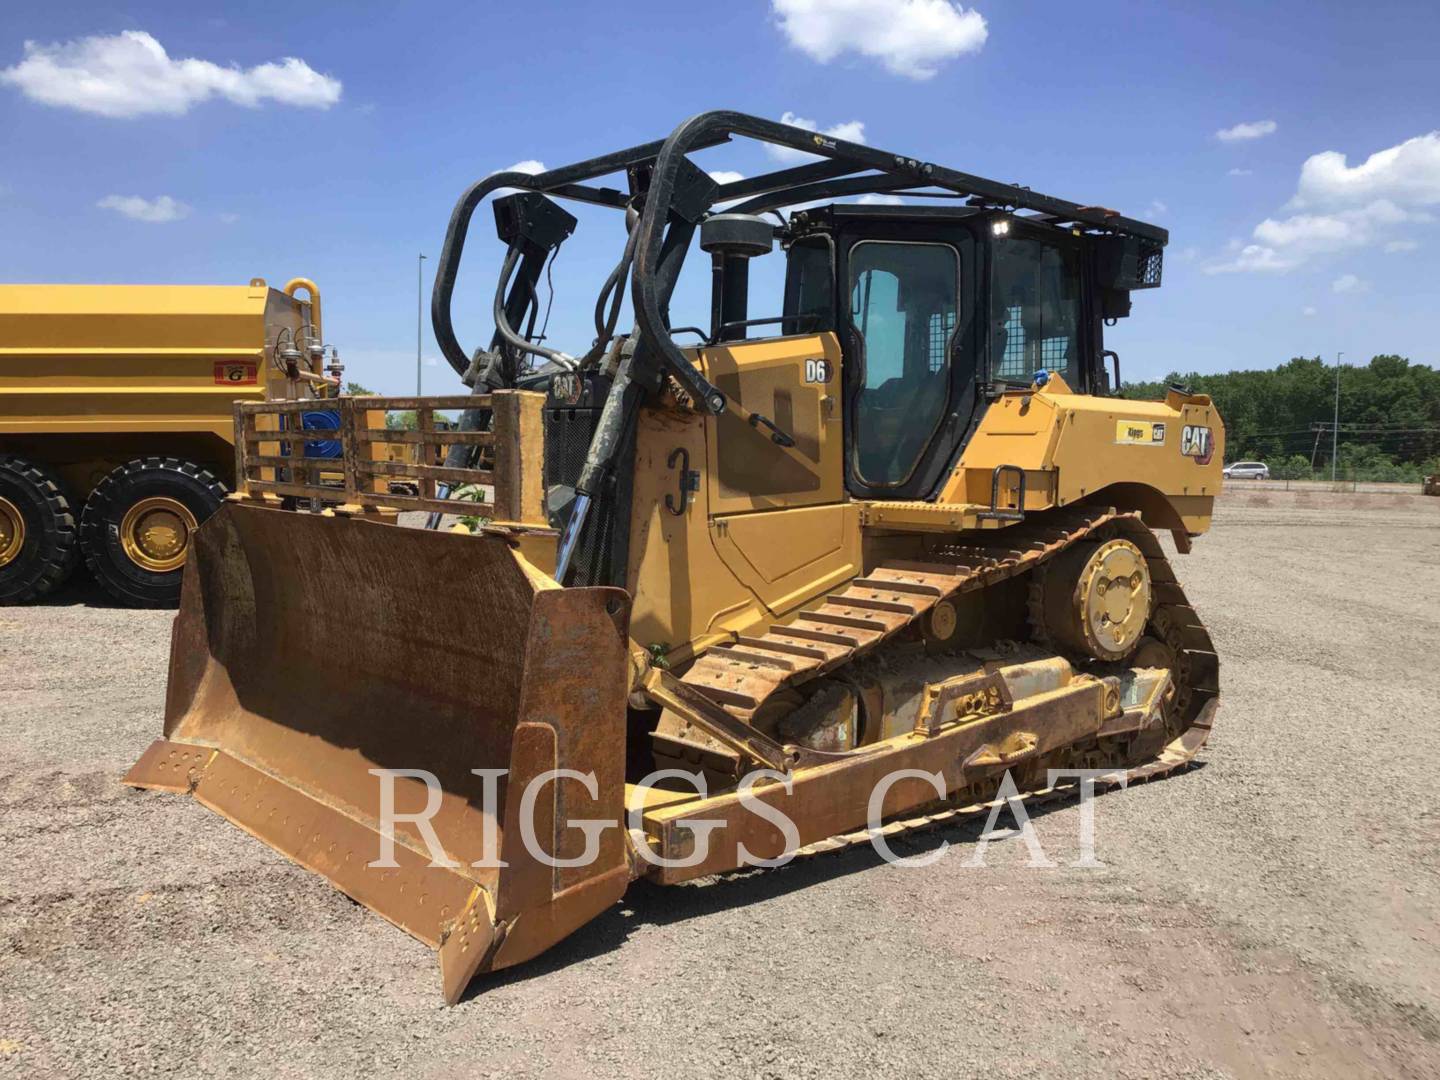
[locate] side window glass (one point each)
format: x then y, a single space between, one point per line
809 288
903 305
1035 316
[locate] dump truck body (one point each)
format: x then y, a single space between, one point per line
127 390
721 603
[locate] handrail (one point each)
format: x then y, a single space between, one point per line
270 455
995 513
314 292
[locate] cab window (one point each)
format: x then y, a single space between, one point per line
903 304
809 287
1035 310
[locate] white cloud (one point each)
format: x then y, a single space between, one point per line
229 219
1347 283
156 211
1339 208
850 131
1253 258
1314 233
872 198
1284 243
1251 129
1156 209
1308 311
130 74
529 165
911 38
1407 174
1241 172
726 176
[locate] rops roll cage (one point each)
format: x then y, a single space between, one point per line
671 203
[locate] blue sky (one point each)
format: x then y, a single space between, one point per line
345 165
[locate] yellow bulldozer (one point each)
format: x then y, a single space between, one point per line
116 421
737 592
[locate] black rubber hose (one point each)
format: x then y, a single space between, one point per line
502 324
613 291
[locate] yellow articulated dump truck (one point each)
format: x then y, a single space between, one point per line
116 421
881 547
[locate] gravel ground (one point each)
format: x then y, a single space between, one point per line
1363 487
1272 912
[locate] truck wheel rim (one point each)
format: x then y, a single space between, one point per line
155 533
12 532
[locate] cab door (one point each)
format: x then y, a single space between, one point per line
778 515
795 382
907 296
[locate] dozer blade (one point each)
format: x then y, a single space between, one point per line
310 650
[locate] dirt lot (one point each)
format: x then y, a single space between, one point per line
1273 912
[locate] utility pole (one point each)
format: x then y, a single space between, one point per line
420 306
1335 429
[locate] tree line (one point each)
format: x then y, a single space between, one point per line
1389 416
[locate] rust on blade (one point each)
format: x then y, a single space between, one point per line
312 652
167 766
418 897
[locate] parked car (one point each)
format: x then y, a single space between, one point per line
1247 470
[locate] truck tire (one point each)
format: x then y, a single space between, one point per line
37 531
136 526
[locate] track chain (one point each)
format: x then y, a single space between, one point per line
897 595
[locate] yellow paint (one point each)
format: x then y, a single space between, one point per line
749 470
787 557
312 291
135 360
682 588
12 531
155 533
1075 447
936 517
94 376
771 530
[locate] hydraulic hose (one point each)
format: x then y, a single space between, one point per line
612 291
502 324
616 416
